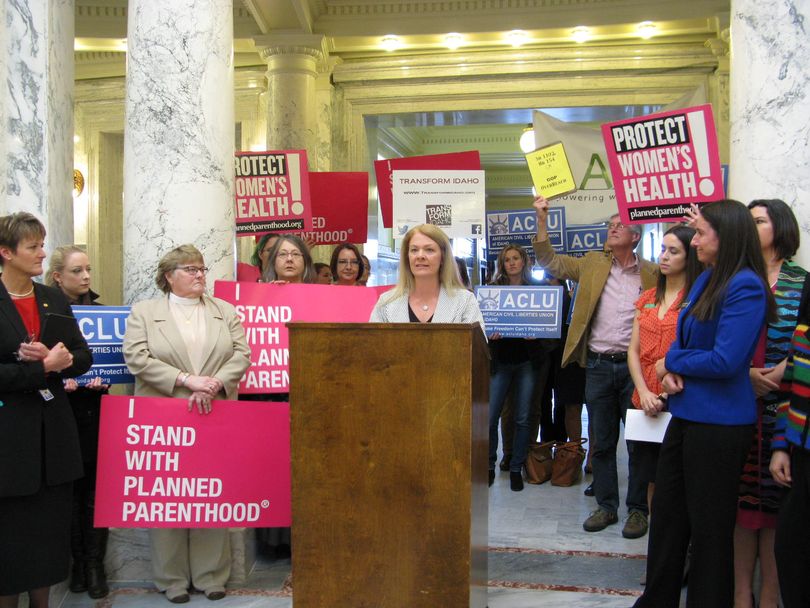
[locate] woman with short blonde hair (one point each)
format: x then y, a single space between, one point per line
188 345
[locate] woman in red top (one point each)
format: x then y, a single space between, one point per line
654 331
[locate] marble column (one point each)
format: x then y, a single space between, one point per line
718 90
292 71
179 138
297 98
770 122
324 92
36 109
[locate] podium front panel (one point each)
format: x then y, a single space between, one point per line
389 465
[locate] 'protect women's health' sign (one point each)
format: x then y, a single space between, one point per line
272 192
661 163
163 466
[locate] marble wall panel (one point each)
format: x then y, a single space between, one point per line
179 138
37 113
770 107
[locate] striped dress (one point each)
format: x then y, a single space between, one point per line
793 416
759 493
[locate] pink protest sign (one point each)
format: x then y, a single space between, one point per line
339 208
161 466
272 192
265 309
661 163
384 171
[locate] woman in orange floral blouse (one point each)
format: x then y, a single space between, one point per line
654 331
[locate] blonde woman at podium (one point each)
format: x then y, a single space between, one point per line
428 289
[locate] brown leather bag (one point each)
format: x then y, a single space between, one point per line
566 469
538 462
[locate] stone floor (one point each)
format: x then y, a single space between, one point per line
539 556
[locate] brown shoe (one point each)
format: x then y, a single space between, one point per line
177 596
635 526
599 520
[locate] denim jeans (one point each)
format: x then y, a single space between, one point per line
608 390
522 377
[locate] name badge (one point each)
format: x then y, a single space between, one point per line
47 395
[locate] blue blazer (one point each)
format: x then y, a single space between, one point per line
714 356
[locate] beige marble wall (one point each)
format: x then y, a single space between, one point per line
770 124
36 39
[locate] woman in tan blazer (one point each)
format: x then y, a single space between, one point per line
191 346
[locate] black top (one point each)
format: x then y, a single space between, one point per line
38 438
413 318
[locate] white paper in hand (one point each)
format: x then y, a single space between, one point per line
640 427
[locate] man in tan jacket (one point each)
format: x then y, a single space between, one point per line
598 337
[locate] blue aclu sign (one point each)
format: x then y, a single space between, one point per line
581 239
520 227
531 311
104 327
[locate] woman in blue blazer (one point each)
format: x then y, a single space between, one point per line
713 406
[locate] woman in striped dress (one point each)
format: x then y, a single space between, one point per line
759 494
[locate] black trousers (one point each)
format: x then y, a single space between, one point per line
696 488
793 534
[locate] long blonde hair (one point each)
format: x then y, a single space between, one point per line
57 261
448 271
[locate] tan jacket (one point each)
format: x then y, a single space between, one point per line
155 352
591 272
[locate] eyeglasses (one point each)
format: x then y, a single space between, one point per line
295 255
616 225
193 270
348 263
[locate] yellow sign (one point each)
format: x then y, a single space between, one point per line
550 171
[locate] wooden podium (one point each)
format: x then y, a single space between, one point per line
389 436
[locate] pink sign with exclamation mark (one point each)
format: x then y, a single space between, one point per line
662 163
271 192
298 183
697 128
294 167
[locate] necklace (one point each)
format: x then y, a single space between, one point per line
420 303
194 308
21 295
